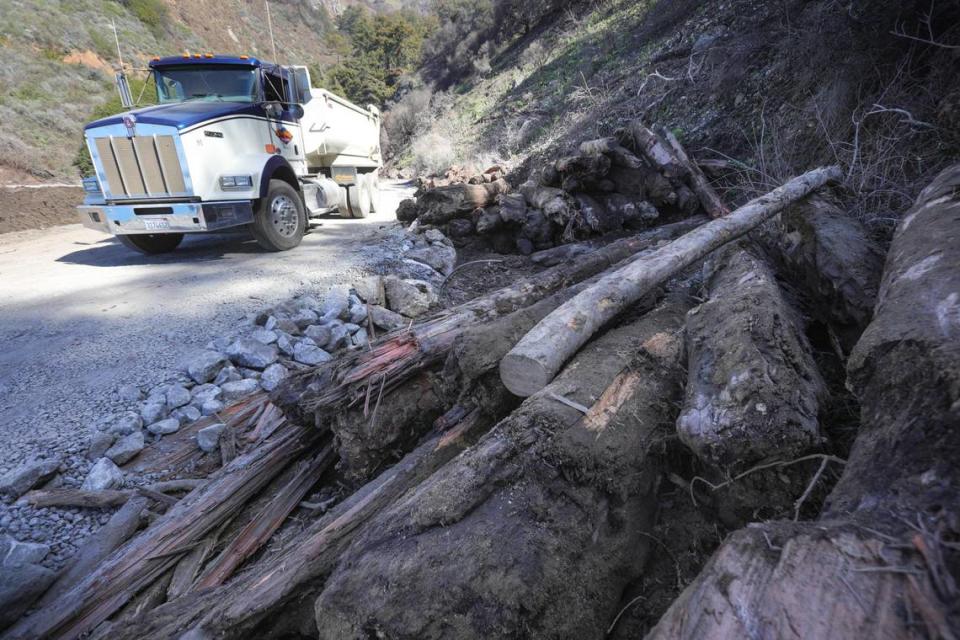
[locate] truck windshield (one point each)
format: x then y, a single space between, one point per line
223 83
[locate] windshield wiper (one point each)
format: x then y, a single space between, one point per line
198 96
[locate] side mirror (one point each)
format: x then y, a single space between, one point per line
273 109
296 110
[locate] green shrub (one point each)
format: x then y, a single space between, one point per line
152 13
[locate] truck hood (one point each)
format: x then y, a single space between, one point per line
184 114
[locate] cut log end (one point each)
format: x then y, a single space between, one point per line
523 376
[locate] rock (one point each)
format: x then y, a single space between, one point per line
211 407
264 336
436 236
371 290
489 220
270 323
186 415
441 257
103 475
304 318
310 354
177 396
218 344
247 352
460 228
339 336
121 424
99 443
273 376
238 389
409 297
227 374
285 344
336 302
204 366
250 373
524 246
20 586
358 313
360 338
126 448
203 393
351 328
208 438
14 553
287 326
27 476
164 427
152 411
386 319
130 393
319 333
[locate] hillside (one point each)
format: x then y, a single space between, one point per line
60 59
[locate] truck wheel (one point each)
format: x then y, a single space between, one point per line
358 199
152 243
373 187
279 221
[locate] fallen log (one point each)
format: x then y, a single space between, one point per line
879 562
753 389
240 608
539 355
657 152
611 147
440 205
101 499
556 204
709 199
147 557
572 493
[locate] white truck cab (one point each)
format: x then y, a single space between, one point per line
233 141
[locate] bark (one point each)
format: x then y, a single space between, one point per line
440 205
185 573
513 208
619 156
102 499
657 152
572 494
556 204
875 565
536 359
753 390
147 557
597 217
709 199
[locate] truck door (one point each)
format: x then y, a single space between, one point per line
285 130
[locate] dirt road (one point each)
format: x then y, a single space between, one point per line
80 315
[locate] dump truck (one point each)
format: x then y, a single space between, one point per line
232 142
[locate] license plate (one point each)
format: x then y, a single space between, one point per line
156 225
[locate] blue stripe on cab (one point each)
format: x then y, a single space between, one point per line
184 114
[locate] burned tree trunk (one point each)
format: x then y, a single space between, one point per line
876 564
753 390
572 494
441 205
541 353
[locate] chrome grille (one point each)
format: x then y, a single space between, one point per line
141 166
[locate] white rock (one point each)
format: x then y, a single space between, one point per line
238 389
203 393
208 438
440 257
358 313
336 302
247 352
264 336
186 415
28 475
211 407
319 333
370 290
15 553
103 475
360 338
121 424
285 343
177 396
304 318
99 443
273 376
154 410
130 393
386 319
126 448
410 297
164 427
339 337
310 354
204 366
227 374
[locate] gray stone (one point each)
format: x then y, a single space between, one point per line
204 366
103 475
227 374
27 476
264 336
121 424
99 443
339 337
20 586
247 352
130 393
126 448
336 303
186 415
358 313
360 338
219 344
154 410
386 319
410 297
308 302
439 257
285 343
208 438
271 323
250 373
304 318
370 290
310 354
164 427
436 236
14 553
352 328
238 389
319 333
273 376
177 396
203 393
211 407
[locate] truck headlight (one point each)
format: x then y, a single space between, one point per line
90 185
236 182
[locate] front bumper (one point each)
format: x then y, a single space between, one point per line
167 217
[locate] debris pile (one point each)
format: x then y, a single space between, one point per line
694 361
633 180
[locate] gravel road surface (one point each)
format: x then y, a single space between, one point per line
81 315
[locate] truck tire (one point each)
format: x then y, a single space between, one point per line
358 199
373 187
279 221
152 243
